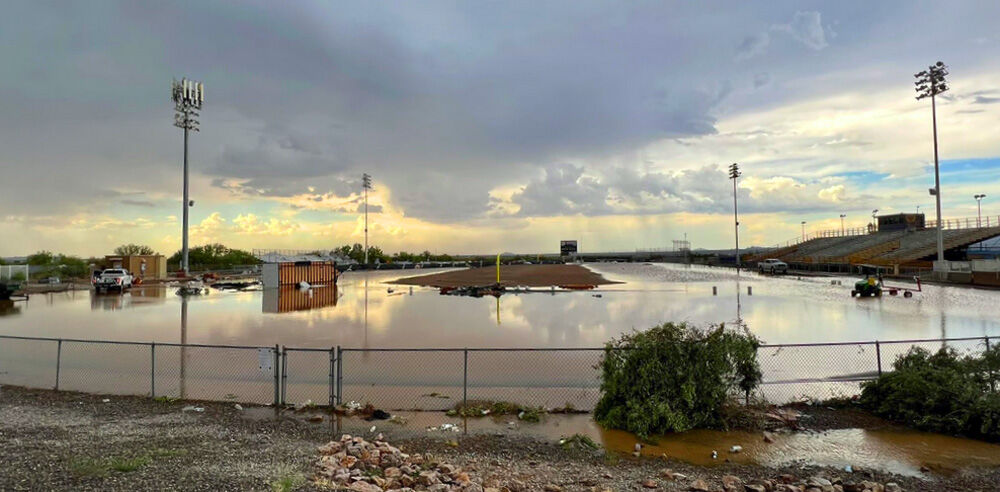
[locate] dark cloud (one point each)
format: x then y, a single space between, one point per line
985 100
139 203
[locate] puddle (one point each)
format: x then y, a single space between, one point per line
898 451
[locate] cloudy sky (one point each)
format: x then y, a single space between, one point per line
488 126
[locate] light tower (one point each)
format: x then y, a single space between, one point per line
366 184
842 231
188 97
930 83
734 173
979 207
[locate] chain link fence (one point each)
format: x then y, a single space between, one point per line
410 379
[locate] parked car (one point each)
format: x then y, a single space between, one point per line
113 279
773 266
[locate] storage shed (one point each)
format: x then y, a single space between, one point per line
142 266
294 272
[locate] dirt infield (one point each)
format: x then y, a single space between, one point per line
511 276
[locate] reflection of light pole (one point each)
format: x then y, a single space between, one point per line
979 207
184 330
930 83
842 231
366 184
734 172
188 97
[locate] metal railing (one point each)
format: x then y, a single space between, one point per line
408 378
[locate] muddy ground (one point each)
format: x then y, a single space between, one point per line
72 441
511 276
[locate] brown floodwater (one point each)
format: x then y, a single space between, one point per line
891 449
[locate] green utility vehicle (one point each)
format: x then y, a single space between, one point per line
871 285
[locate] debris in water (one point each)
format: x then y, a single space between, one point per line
238 407
106 400
736 449
715 455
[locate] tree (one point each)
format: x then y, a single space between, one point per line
134 249
215 256
41 258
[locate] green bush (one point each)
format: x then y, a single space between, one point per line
676 377
940 392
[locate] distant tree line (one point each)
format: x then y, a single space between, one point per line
213 256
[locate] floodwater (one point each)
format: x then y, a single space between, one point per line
364 311
891 449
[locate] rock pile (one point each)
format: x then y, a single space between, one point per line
363 466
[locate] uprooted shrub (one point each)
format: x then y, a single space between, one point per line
676 377
941 392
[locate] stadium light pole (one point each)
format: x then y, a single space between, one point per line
843 232
188 97
930 83
366 184
979 207
803 230
734 173
874 223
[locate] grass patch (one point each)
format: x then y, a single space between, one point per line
578 441
126 465
482 408
611 458
88 467
289 482
167 453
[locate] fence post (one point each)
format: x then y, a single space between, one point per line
340 375
284 374
58 361
333 382
277 374
465 379
992 382
152 370
878 355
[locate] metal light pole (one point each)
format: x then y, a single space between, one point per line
734 173
188 96
803 230
366 184
874 222
843 232
979 207
930 83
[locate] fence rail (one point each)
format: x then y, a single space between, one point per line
408 378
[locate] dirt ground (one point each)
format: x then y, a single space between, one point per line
511 276
72 441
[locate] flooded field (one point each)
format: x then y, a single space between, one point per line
365 311
372 320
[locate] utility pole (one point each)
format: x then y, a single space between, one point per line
366 184
188 97
930 83
734 173
979 207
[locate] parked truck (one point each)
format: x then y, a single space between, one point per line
113 279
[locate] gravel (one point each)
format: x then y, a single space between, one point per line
71 441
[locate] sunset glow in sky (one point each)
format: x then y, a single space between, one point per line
487 126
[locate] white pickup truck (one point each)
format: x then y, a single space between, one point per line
772 266
113 279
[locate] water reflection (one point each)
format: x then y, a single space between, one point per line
9 308
288 298
362 312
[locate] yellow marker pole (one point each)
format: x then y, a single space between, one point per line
498 268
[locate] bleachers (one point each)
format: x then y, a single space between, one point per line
885 248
